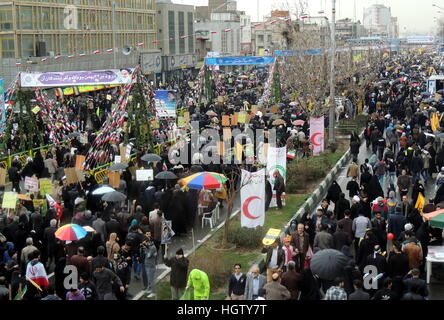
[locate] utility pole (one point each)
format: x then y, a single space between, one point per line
114 34
331 122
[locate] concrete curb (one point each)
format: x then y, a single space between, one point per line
317 195
188 253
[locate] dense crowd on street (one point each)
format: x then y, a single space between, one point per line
124 239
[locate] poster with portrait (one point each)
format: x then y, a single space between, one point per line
165 101
167 232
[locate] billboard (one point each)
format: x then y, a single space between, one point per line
151 63
165 101
2 107
75 78
239 61
421 39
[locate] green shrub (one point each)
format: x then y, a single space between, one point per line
245 237
214 264
301 172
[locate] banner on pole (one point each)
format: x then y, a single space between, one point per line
317 135
75 78
276 160
253 199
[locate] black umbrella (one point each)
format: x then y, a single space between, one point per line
118 167
440 91
151 157
114 196
328 264
166 175
196 168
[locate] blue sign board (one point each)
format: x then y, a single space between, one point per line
239 61
292 53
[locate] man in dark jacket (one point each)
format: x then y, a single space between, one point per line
342 205
300 240
292 280
178 278
104 280
358 294
341 238
275 259
236 284
412 279
396 223
14 176
279 187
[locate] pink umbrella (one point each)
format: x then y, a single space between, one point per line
298 122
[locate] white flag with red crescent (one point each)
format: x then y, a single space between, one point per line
253 199
317 135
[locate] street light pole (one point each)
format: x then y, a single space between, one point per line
114 34
331 122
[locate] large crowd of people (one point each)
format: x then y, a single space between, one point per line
125 243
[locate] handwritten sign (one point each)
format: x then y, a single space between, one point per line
80 162
114 179
45 187
2 177
71 175
234 119
225 121
35 110
9 200
241 118
145 175
31 184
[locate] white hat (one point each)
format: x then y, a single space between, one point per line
408 227
78 200
356 198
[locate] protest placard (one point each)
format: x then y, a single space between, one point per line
45 187
9 200
114 179
31 184
80 162
145 175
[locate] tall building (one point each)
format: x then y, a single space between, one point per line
37 28
176 37
377 20
347 29
222 5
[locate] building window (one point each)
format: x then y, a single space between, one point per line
27 46
6 18
260 38
269 38
224 42
181 32
190 32
24 15
172 32
7 49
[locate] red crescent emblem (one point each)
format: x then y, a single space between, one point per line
246 210
313 139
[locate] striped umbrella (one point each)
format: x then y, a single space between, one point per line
204 180
436 218
70 232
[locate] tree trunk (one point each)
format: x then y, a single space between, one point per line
227 221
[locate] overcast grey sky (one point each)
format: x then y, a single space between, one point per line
414 16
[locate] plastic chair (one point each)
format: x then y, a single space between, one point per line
208 217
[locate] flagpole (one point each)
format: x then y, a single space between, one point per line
114 33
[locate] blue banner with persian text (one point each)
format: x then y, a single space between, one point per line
239 61
290 53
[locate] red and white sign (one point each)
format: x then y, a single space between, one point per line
317 135
253 199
